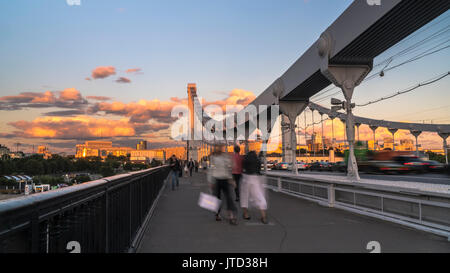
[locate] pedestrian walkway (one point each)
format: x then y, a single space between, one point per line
179 225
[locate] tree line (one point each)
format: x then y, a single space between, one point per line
36 165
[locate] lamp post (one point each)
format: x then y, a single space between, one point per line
350 129
393 131
416 134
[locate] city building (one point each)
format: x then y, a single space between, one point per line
43 150
142 145
179 152
406 145
146 156
161 154
373 145
4 151
15 155
317 143
100 149
388 143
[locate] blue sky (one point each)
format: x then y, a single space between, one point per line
221 45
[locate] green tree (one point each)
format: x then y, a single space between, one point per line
106 171
34 167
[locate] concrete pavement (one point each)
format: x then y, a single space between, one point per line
179 225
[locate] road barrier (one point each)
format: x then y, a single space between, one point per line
423 210
102 216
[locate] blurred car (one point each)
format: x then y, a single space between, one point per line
327 166
331 166
386 167
433 166
339 167
269 166
301 166
319 166
413 163
282 166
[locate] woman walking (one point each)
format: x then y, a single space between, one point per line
252 187
221 174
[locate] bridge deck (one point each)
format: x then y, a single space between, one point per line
295 225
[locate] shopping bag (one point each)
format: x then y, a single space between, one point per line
209 202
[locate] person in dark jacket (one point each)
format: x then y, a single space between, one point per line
190 166
252 187
175 168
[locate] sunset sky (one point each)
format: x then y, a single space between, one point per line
114 69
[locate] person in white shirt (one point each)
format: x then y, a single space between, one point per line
222 181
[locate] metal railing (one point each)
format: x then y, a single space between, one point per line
102 216
423 210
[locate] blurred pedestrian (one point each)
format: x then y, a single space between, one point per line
196 164
220 172
252 188
175 167
185 167
190 166
237 170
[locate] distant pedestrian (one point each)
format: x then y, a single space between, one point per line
185 167
175 168
252 188
237 170
196 164
190 166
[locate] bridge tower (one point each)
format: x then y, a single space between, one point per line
192 144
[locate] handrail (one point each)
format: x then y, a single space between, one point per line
105 215
419 209
394 189
34 199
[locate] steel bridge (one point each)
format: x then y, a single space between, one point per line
136 212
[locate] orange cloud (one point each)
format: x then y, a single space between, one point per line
102 72
68 98
145 110
235 97
70 94
133 70
99 98
81 127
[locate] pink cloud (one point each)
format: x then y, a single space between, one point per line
102 72
123 80
133 70
68 98
99 98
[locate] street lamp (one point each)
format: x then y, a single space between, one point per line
347 106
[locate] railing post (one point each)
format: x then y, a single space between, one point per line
34 224
130 240
331 196
106 219
279 183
